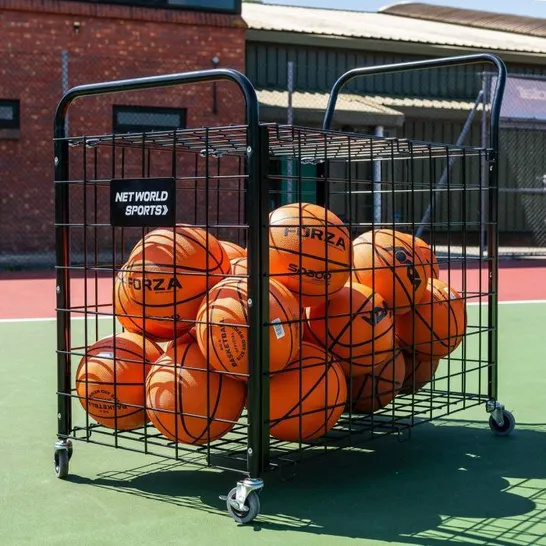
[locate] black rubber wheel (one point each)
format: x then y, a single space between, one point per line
252 502
70 451
61 463
507 426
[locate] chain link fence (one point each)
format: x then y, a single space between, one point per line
522 165
34 85
523 142
31 86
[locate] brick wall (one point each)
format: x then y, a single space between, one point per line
103 43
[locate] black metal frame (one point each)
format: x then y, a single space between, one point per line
256 144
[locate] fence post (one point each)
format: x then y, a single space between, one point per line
376 178
289 121
64 79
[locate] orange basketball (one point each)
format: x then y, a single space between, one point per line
425 253
355 326
110 379
418 373
239 266
176 398
232 250
166 275
310 394
184 339
385 261
438 322
226 345
310 250
375 390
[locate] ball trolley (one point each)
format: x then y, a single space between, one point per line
247 297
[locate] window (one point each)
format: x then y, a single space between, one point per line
228 6
9 114
139 119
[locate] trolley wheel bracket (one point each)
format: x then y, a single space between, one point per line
501 421
62 455
496 409
243 502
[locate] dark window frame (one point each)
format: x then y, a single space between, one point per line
14 123
125 128
164 4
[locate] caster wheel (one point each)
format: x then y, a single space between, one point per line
506 428
252 503
61 463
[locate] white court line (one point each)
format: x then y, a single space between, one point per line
50 319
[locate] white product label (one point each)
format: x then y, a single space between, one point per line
105 355
277 327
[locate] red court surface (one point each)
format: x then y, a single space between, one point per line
31 295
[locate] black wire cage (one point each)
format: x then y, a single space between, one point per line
245 290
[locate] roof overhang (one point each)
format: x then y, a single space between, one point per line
309 108
386 46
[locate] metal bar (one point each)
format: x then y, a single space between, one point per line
258 308
62 250
485 100
428 64
376 177
289 121
447 169
136 84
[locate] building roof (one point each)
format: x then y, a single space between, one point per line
385 26
352 109
310 107
531 26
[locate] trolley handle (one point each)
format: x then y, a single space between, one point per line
419 65
137 84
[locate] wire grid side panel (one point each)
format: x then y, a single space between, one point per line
367 330
153 282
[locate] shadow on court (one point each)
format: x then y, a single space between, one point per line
448 483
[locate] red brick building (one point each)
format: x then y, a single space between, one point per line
48 46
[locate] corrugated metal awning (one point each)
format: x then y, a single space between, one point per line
384 26
356 110
353 110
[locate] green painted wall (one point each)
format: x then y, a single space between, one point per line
316 69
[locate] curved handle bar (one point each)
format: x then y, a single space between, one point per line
419 65
137 84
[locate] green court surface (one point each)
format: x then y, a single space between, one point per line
453 482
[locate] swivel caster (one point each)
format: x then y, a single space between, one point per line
501 421
62 456
243 502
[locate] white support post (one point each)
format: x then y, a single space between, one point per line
376 179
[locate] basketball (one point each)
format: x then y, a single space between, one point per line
375 390
176 398
166 276
110 379
188 337
239 266
436 325
310 250
232 250
309 395
226 345
385 261
425 253
355 325
418 373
